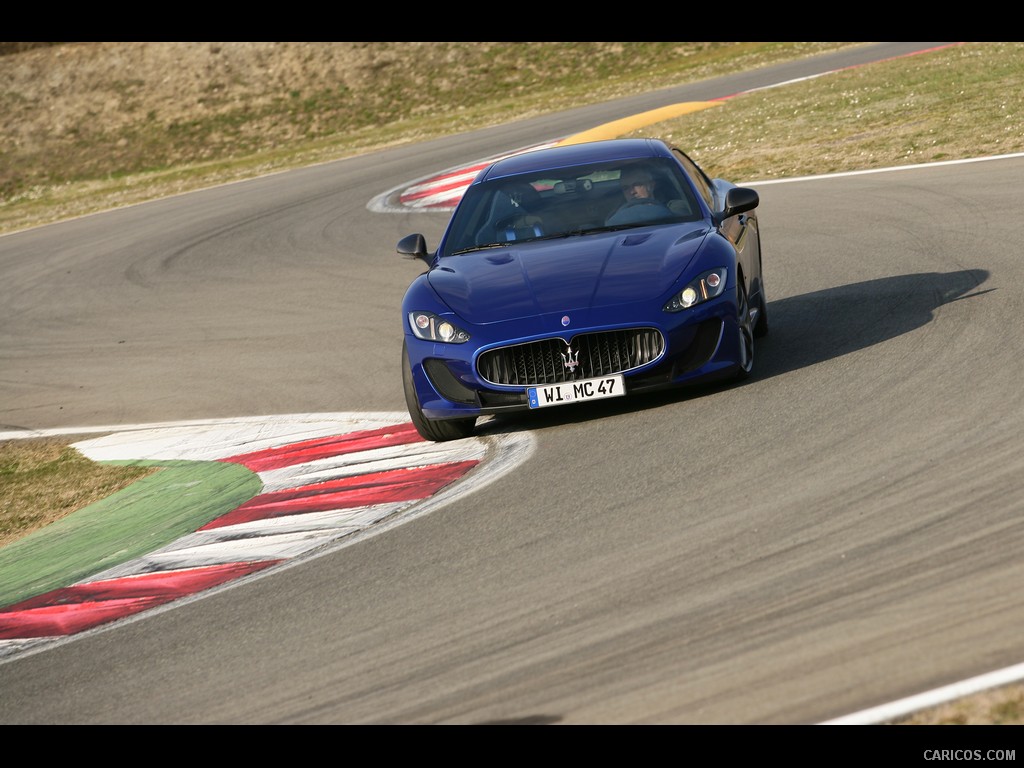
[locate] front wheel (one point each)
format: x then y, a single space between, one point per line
437 430
761 328
746 334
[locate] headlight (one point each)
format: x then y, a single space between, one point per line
430 327
707 286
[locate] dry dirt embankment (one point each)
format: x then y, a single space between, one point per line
87 126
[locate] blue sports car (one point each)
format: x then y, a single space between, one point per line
577 273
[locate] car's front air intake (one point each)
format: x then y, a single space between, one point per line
552 361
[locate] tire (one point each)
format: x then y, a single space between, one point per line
746 334
435 430
761 327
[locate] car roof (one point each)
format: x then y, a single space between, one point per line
561 156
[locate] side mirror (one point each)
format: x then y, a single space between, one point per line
740 200
414 247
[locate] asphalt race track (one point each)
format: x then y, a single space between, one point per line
646 562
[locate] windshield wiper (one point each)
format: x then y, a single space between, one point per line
483 247
608 228
553 236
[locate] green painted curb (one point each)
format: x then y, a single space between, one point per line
173 502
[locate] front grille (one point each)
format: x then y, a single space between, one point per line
543 362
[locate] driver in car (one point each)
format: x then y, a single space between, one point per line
637 185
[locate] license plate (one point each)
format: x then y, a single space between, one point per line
576 391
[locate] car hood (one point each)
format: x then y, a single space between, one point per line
585 272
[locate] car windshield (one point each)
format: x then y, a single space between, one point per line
571 201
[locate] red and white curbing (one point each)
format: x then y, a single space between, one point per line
441 191
329 480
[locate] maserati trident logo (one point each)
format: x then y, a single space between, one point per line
570 359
